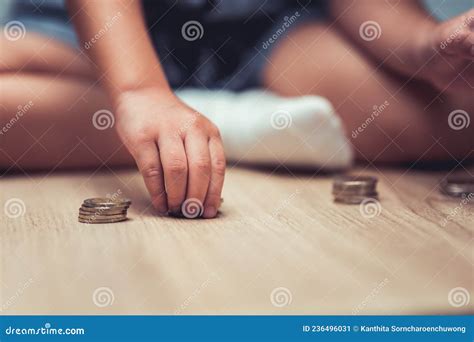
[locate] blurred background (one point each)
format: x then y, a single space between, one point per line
442 9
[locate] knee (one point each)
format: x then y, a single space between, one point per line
23 54
13 55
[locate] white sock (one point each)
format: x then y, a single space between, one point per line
261 128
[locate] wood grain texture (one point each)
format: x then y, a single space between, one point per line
275 230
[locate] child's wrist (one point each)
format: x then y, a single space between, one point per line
160 91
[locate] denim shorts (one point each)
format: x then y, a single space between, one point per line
220 44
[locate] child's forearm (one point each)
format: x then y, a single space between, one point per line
114 35
392 31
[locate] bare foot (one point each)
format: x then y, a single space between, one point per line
448 54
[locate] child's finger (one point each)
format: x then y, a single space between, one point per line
149 164
199 164
175 167
468 46
461 45
455 45
213 198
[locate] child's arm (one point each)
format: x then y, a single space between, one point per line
122 50
178 151
394 31
400 34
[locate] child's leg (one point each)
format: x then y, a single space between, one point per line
316 59
56 128
39 54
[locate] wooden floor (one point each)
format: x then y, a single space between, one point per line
280 246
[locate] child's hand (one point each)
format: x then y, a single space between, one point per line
447 55
179 151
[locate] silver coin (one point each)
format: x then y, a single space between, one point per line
354 192
89 213
176 214
106 202
457 186
119 207
103 210
354 189
344 182
179 214
89 221
101 217
95 216
352 199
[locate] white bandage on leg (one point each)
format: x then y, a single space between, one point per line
261 128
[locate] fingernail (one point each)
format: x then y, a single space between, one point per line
159 206
161 210
210 212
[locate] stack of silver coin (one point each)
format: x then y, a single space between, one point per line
458 186
103 210
354 189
